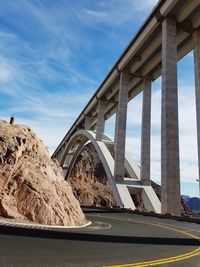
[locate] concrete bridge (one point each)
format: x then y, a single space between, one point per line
170 32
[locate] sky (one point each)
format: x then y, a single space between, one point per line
54 55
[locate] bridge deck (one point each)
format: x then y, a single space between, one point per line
142 57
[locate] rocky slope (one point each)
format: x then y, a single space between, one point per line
31 183
90 184
89 181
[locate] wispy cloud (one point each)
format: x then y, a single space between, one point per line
115 12
40 83
54 54
6 73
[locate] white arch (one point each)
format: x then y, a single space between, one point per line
83 136
121 191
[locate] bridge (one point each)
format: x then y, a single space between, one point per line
170 32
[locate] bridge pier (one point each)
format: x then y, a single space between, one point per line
142 59
146 134
196 40
170 170
120 127
100 120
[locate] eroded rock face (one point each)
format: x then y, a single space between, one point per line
31 183
89 181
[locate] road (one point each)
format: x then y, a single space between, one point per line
113 239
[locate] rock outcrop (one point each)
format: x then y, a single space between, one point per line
89 181
31 183
91 186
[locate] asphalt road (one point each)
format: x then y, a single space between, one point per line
113 239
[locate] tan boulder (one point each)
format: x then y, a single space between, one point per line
31 183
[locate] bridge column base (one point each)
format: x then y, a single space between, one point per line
170 172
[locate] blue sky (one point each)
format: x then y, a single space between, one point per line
53 56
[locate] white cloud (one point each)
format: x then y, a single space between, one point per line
5 74
114 12
6 71
42 70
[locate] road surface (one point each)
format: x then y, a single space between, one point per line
113 239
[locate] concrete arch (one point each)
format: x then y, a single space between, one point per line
121 191
77 141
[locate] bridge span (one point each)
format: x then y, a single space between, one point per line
170 32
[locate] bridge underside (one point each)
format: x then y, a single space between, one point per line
122 191
170 32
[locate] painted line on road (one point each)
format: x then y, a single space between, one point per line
191 230
160 261
177 227
157 223
177 258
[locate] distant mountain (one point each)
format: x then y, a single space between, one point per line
193 203
185 209
186 197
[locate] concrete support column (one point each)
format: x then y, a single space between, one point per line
100 120
88 122
120 127
170 169
60 155
196 39
146 134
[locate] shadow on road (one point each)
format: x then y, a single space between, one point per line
6 230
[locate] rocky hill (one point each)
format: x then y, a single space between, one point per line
89 181
31 183
193 203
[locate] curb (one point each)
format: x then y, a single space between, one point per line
41 226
